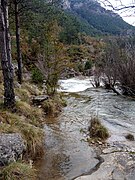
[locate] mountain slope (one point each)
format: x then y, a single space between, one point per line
99 20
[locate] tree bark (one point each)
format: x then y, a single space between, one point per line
5 56
19 56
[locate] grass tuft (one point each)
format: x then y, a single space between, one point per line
18 171
97 130
130 137
32 134
34 139
33 115
53 105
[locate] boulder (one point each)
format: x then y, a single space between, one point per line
12 147
39 99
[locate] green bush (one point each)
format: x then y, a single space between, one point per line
88 65
37 76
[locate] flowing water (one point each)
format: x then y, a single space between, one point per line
67 154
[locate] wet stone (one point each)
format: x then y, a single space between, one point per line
12 147
39 99
118 174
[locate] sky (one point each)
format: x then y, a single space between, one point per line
127 14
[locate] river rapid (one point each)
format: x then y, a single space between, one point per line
67 153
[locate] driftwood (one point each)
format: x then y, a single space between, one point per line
115 91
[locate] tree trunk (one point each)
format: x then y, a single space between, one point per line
5 56
19 56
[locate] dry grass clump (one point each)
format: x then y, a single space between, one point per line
97 130
7 128
8 117
33 115
34 139
26 90
32 135
32 89
53 106
7 122
23 94
50 107
18 171
130 137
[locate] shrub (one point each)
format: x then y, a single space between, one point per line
37 76
118 64
88 65
97 130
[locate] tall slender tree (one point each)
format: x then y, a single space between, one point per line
17 25
5 56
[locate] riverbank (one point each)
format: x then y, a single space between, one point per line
21 133
21 129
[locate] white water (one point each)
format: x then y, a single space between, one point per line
117 113
75 84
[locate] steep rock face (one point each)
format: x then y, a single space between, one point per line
93 6
11 147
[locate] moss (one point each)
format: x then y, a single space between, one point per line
130 137
18 170
97 130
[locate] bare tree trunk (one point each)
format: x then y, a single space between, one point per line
19 56
5 55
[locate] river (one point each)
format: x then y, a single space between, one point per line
67 153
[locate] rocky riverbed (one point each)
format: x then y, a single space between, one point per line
68 155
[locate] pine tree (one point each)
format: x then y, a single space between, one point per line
5 56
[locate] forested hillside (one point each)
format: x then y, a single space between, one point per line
73 21
46 31
77 17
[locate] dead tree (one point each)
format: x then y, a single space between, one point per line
119 64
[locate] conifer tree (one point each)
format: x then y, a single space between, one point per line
5 56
